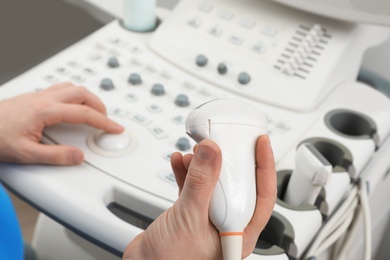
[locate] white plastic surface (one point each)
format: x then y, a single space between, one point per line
231 247
251 37
377 12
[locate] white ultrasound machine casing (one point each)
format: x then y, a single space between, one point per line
302 72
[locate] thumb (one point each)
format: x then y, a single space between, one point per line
202 175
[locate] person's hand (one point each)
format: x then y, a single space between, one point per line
23 118
184 231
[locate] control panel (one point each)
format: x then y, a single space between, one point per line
262 50
149 97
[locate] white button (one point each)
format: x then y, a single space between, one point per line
269 31
136 62
179 120
74 64
204 92
100 46
131 97
151 68
259 47
167 156
89 71
237 40
155 108
188 85
51 78
165 75
158 132
117 111
94 56
63 71
226 15
136 50
140 119
247 23
195 22
78 78
216 31
169 177
118 41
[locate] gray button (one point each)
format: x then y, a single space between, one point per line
135 79
244 78
113 62
158 89
183 144
201 60
182 100
107 84
222 68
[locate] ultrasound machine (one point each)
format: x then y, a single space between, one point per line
296 61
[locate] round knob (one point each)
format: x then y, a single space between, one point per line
201 60
111 145
182 100
183 144
222 68
158 90
135 79
112 142
244 78
113 62
107 84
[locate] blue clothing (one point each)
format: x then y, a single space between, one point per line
11 240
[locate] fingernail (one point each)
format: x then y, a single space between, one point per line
77 157
205 152
117 127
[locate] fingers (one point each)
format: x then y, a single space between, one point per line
202 175
178 169
80 114
266 191
52 154
265 171
68 93
93 113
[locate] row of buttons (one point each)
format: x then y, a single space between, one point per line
217 30
245 22
182 144
73 71
258 47
243 77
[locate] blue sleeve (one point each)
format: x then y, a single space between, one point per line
11 241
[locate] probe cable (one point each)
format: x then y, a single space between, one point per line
338 229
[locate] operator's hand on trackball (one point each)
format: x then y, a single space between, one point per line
184 231
24 117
